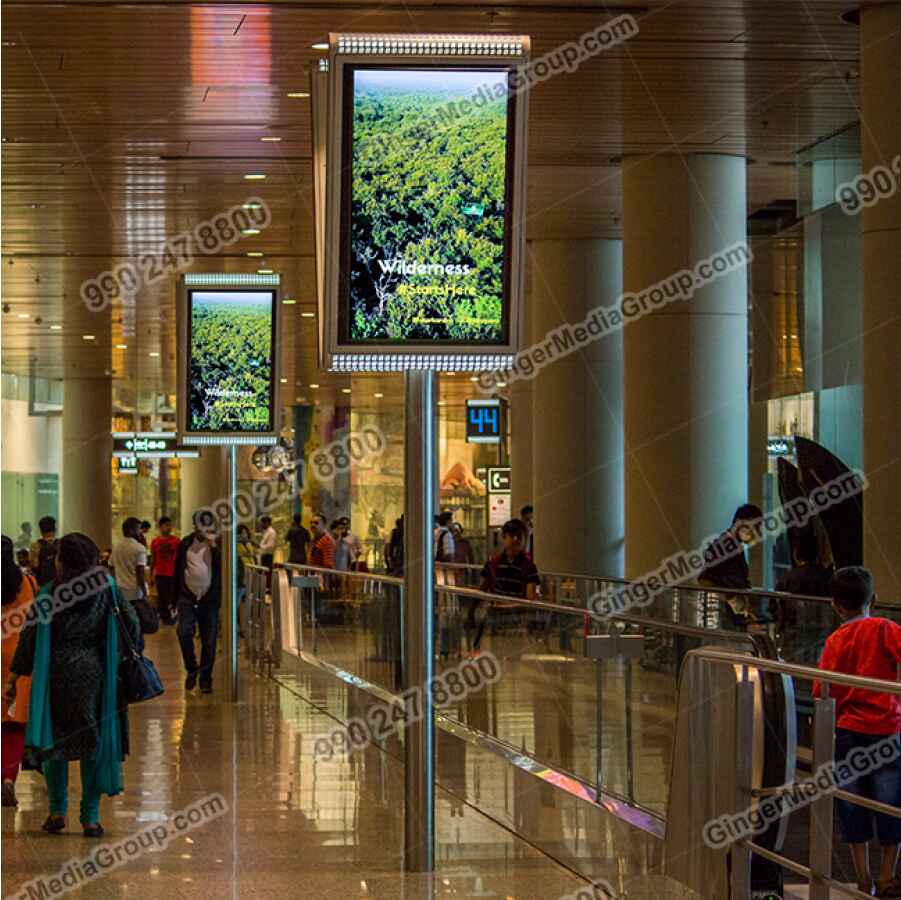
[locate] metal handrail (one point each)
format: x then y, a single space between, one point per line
806 672
751 593
319 570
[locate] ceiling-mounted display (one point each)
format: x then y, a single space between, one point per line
228 379
424 212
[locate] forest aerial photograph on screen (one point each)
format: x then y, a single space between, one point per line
427 205
231 361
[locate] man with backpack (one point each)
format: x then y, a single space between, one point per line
43 551
444 538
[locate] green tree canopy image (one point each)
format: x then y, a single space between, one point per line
231 361
428 186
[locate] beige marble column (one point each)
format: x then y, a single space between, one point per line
203 481
686 371
881 231
577 439
87 481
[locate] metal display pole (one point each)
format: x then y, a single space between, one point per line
230 580
419 580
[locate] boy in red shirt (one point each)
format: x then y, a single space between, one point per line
163 551
869 646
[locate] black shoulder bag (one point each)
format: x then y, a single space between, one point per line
138 675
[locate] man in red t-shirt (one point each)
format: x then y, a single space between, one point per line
869 646
163 552
322 550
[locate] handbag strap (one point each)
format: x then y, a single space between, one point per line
114 593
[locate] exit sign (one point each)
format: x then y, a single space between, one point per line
144 445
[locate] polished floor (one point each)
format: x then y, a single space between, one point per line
292 826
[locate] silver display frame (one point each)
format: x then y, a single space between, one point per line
428 51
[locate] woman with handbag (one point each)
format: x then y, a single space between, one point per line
73 657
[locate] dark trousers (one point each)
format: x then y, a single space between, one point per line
266 561
202 617
167 599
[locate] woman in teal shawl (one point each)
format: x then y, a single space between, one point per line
72 655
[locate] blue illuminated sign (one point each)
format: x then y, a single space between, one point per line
483 421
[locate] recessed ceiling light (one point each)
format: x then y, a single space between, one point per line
254 252
320 46
378 396
298 95
502 384
449 373
345 390
264 271
255 176
314 386
88 337
121 346
289 301
250 231
270 139
308 315
442 402
24 316
283 381
252 204
153 353
56 327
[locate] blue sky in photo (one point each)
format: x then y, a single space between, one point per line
238 298
465 81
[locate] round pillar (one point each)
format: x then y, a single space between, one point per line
87 479
577 438
686 371
203 481
881 253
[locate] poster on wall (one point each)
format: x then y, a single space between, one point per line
428 208
228 378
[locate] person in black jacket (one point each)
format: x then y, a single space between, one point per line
198 581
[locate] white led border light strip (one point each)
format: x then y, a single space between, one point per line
430 44
213 440
390 362
231 279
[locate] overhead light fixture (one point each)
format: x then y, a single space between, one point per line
56 327
270 139
321 46
345 390
264 271
255 176
255 253
153 354
308 315
298 95
378 396
250 231
289 301
314 386
283 381
121 346
88 337
24 316
252 204
473 377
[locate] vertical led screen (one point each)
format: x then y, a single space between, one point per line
425 255
231 337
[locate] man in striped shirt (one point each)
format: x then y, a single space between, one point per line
322 550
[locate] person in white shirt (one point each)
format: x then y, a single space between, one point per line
268 543
129 562
198 580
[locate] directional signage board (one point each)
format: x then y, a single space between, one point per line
484 421
499 480
148 445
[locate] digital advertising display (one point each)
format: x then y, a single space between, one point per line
425 198
425 250
228 372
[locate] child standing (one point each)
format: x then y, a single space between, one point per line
869 646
